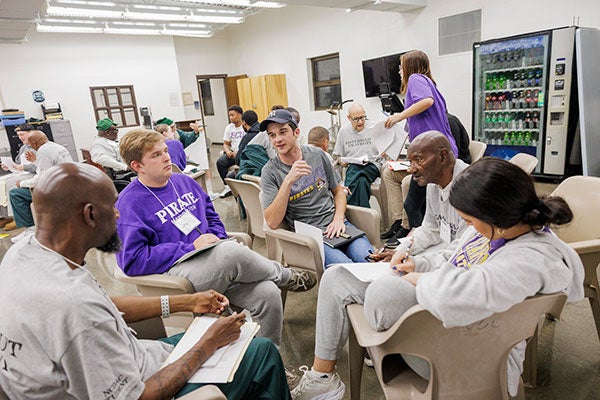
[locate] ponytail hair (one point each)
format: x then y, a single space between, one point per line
501 194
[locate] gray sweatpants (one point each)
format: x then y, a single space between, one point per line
248 279
384 300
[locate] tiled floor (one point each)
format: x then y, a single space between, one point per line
569 350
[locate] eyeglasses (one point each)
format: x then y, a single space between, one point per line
358 119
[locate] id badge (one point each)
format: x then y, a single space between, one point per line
445 233
186 222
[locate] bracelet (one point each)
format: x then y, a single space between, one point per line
164 306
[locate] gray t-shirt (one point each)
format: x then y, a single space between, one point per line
350 143
67 339
310 198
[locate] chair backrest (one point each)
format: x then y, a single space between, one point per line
582 194
175 169
527 162
248 192
467 362
477 150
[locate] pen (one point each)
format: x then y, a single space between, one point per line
410 244
229 310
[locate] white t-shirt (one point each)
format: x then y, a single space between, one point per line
67 339
234 135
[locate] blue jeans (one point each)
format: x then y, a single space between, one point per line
356 251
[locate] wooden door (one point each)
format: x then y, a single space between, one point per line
259 97
275 90
231 90
245 93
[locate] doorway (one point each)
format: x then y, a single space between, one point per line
216 93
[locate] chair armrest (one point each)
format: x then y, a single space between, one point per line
151 328
156 280
367 220
252 178
369 337
298 250
586 246
241 237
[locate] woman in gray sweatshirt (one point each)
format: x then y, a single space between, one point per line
507 254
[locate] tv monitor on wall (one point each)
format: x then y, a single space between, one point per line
381 70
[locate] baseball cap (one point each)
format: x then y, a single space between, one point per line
165 120
279 117
105 124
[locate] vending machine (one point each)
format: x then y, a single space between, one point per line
524 99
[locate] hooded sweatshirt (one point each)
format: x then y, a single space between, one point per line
151 242
536 262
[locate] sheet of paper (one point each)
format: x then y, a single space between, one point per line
313 232
8 162
355 160
398 145
381 137
226 360
196 151
199 325
368 272
398 165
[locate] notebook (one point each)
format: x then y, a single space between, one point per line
222 365
352 233
192 253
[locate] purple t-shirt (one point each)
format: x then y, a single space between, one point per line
434 118
151 242
176 153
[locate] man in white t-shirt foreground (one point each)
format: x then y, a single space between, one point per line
234 132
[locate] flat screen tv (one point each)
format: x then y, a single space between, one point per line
382 70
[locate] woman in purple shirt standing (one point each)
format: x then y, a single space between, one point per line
425 110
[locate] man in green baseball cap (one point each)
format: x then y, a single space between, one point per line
105 150
104 124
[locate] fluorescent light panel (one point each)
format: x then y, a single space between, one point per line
54 11
237 3
122 31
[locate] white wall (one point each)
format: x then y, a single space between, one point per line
64 66
273 41
280 41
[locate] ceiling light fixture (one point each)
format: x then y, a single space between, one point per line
237 3
123 31
54 11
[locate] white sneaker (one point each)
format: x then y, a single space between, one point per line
29 230
226 192
314 387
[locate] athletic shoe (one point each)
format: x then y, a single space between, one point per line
226 192
368 360
291 378
394 242
300 281
393 230
29 230
314 386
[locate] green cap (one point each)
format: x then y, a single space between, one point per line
104 124
165 120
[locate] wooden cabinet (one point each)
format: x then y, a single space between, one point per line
260 93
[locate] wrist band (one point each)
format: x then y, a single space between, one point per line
164 306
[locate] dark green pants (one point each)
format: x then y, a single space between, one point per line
359 179
259 376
